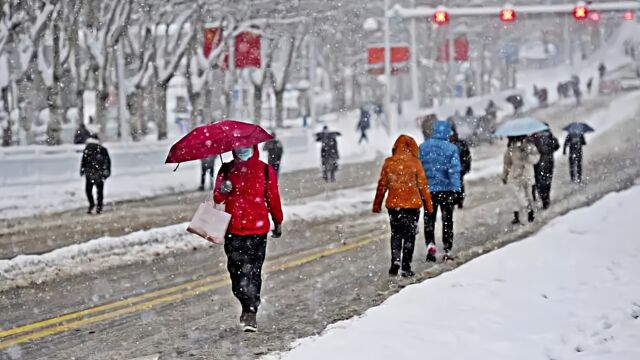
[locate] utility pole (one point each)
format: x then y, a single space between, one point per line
123 116
313 64
413 58
387 71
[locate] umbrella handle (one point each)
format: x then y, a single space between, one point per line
174 170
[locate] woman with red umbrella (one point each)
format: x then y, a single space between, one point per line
249 189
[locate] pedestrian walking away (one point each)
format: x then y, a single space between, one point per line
95 166
329 153
207 165
575 142
441 162
403 180
274 150
546 144
364 124
465 162
249 189
519 158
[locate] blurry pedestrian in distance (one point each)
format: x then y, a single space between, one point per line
541 95
329 153
441 162
546 144
465 161
516 101
96 168
517 170
403 177
589 85
427 125
575 142
274 150
207 165
364 123
575 86
249 189
81 135
491 110
602 69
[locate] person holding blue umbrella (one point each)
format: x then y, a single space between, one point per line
575 141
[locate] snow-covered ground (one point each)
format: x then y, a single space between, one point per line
569 292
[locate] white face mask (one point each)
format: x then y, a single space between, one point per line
244 154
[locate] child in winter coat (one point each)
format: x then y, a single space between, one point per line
519 159
404 179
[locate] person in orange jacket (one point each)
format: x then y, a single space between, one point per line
403 177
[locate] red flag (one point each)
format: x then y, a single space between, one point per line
460 50
247 51
212 39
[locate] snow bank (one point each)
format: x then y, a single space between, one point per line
107 252
559 294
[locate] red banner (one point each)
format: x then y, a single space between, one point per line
247 51
212 39
460 50
399 54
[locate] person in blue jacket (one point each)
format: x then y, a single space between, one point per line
441 162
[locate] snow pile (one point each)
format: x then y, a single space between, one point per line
107 252
559 294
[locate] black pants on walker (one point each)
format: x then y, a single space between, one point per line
245 256
88 188
404 227
445 200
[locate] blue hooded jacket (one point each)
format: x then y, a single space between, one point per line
441 160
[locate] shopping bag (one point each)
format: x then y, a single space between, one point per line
210 222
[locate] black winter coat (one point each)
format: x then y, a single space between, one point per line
96 163
274 150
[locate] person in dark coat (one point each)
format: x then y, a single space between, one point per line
547 144
274 150
589 85
329 153
516 101
207 166
574 142
465 161
81 135
364 124
96 168
575 87
441 162
602 69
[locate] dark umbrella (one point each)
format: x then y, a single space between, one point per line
514 99
578 128
327 134
215 139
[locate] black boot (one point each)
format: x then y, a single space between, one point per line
393 270
516 218
250 322
530 216
90 210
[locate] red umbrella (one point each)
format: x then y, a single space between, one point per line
216 138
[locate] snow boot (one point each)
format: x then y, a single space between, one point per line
431 252
530 216
407 273
516 218
250 322
201 188
447 256
393 270
90 210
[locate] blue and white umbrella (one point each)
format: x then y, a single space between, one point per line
520 127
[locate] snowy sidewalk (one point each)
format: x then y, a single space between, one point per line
569 292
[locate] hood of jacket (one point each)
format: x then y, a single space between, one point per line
441 130
405 145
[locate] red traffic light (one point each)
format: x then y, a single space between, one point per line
629 15
441 16
580 12
508 15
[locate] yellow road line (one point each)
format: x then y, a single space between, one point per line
199 287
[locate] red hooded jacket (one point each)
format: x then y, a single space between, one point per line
246 203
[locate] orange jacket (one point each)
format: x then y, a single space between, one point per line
403 177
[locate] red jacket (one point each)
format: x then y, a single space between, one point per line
246 203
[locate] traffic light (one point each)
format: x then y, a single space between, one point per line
507 15
441 16
580 12
629 15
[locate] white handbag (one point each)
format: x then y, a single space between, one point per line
210 222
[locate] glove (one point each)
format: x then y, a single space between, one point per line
226 187
276 232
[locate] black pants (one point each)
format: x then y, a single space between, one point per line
445 200
460 196
544 177
575 166
245 256
363 137
88 188
404 227
205 170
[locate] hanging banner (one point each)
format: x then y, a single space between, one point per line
247 51
399 59
460 50
212 39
